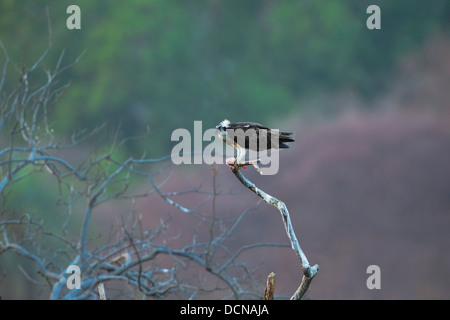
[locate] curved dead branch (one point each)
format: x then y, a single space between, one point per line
309 272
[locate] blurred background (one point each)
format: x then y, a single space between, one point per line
368 179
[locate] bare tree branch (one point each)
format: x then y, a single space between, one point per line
308 272
270 287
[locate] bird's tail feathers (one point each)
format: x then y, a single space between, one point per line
284 138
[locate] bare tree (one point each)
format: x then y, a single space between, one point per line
30 149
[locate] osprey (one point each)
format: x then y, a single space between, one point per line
244 136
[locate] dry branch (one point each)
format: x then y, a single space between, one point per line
308 272
101 291
270 287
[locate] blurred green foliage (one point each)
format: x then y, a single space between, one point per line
163 64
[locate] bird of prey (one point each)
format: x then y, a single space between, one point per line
244 136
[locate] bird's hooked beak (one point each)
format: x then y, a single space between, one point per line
222 125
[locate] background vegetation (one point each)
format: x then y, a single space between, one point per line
164 64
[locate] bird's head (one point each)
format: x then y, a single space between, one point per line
223 126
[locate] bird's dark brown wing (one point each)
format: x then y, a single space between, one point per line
246 125
260 139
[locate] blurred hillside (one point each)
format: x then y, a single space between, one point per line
163 64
